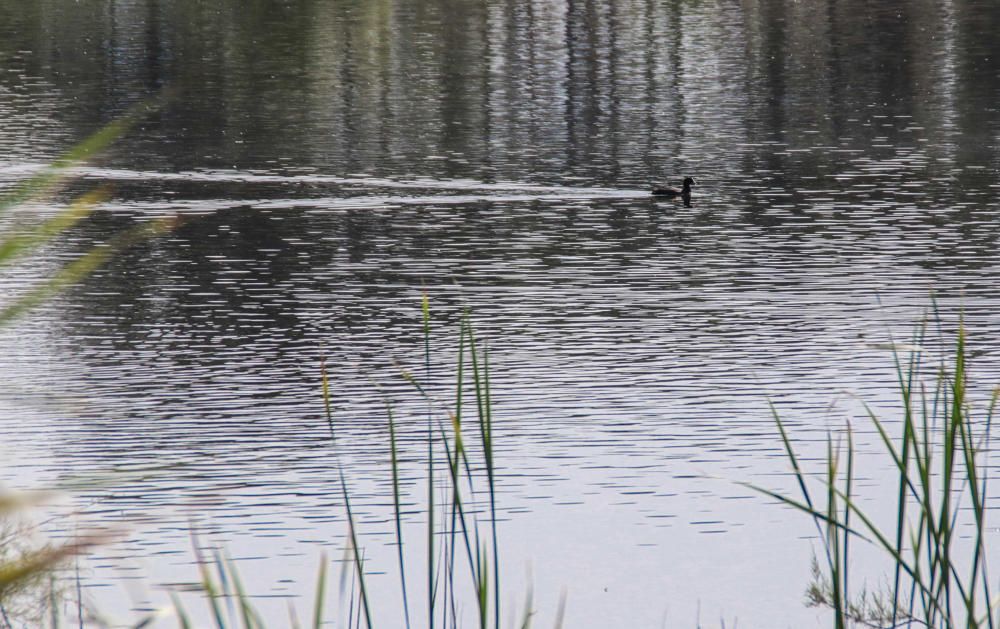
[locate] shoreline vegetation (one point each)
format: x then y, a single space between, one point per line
935 548
934 551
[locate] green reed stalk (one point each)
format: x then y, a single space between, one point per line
320 592
482 388
208 584
225 590
458 519
358 563
353 539
326 396
458 514
182 617
398 512
905 383
351 599
432 585
833 536
250 618
846 539
53 603
981 515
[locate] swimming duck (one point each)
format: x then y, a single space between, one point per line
671 192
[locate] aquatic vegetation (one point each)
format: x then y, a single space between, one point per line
935 545
46 183
464 542
24 567
464 534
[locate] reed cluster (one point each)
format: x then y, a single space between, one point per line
462 550
935 545
461 546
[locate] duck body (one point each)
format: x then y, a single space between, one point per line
667 191
671 192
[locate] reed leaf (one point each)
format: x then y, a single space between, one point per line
942 478
80 208
432 585
398 511
320 593
358 563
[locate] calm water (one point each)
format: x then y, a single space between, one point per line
335 159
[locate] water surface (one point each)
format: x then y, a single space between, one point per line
334 161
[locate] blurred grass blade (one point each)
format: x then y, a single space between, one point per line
320 592
207 583
561 610
11 501
15 572
247 612
182 616
84 266
80 208
528 611
55 173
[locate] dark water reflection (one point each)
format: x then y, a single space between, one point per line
335 159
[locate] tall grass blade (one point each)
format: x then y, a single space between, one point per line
207 583
398 512
905 380
459 518
16 571
980 517
529 611
431 553
831 540
55 173
83 267
790 451
320 593
481 384
182 617
246 609
358 563
845 542
18 245
560 611
53 604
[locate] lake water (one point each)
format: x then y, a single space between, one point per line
336 160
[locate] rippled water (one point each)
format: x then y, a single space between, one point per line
333 161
